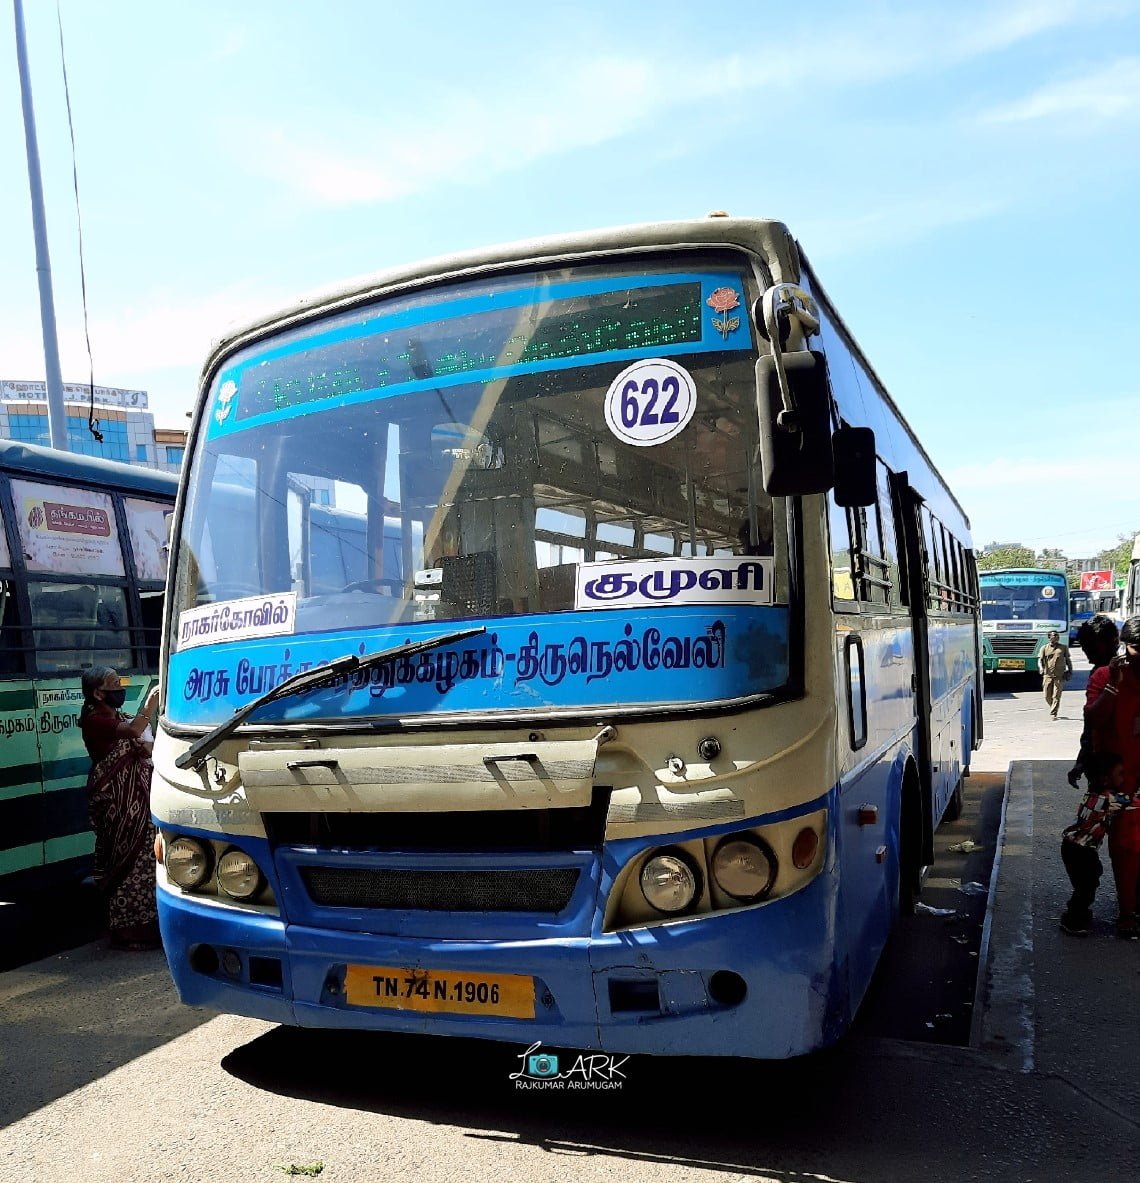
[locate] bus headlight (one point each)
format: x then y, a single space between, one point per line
744 868
188 862
670 882
238 875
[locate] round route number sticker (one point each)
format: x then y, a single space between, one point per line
650 402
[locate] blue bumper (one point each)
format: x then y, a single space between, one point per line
649 990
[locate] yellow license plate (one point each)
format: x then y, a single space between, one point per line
1010 663
440 992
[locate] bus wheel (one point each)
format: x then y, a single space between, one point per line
910 832
954 805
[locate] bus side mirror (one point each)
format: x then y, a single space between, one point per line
795 424
854 449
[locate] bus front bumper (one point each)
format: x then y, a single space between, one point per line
762 982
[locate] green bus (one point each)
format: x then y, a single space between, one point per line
82 580
1020 607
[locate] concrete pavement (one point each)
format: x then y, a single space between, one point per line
1054 1004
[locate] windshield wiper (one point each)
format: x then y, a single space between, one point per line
195 755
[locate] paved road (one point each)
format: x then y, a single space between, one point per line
104 1077
1017 721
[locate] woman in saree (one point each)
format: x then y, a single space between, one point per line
118 804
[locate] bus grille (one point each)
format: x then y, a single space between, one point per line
441 891
1013 646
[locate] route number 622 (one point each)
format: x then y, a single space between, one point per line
650 402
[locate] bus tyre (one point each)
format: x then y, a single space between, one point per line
908 890
910 833
954 805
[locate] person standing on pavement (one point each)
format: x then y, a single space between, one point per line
1056 669
1099 639
1080 841
1114 715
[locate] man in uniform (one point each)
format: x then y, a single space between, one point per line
1056 670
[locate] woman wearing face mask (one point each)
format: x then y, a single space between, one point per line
118 803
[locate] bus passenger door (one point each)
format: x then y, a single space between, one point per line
908 527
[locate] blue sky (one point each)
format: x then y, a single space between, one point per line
965 178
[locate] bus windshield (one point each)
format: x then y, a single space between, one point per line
534 449
1025 596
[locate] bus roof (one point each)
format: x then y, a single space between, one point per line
16 457
771 238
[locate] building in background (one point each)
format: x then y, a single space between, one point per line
126 424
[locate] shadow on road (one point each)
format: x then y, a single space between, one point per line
668 1110
832 1115
75 1017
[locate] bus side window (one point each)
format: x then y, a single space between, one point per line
842 559
965 589
890 539
76 625
932 559
150 604
875 575
11 647
954 563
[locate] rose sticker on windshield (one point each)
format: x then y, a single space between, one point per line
650 402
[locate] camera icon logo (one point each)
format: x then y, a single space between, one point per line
543 1064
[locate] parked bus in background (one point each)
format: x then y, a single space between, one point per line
82 576
1020 607
1131 597
1084 605
636 735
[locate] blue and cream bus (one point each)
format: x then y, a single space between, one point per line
636 735
82 576
1021 606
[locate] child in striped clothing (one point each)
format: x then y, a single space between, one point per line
1079 842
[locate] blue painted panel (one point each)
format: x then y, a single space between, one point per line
717 332
795 1002
791 954
565 659
952 656
869 886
